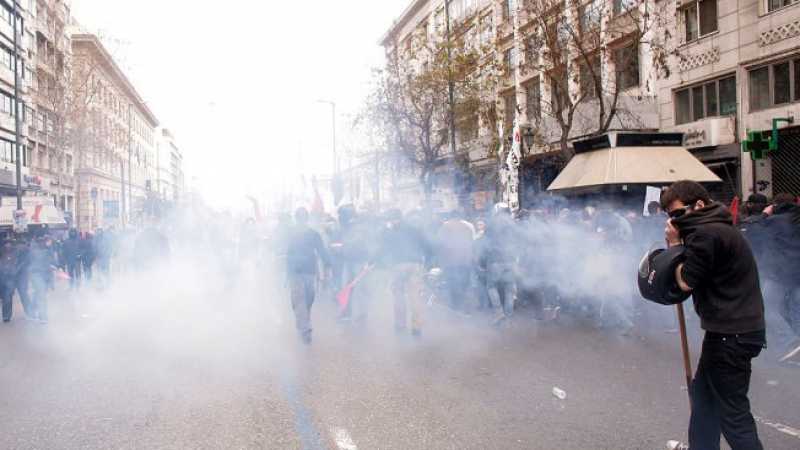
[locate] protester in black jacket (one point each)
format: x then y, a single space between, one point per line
42 262
14 261
720 271
779 232
405 250
305 246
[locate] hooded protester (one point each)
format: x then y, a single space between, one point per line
779 233
404 249
355 241
499 257
42 263
720 271
454 241
14 261
305 247
72 254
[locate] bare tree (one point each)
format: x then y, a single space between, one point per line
411 101
589 56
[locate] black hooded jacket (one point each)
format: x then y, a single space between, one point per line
722 271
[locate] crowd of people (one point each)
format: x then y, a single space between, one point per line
553 260
30 262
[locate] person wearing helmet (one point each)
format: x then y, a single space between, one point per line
720 271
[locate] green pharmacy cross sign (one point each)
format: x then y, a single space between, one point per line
758 145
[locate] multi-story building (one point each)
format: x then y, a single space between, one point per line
720 72
169 179
562 59
48 49
737 68
114 140
7 96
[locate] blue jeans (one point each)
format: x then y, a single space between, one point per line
501 288
782 310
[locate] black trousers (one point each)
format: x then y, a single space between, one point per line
719 393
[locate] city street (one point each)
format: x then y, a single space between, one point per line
149 365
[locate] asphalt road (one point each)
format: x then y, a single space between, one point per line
175 361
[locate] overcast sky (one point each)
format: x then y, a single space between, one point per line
238 81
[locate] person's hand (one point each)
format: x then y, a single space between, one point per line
672 234
328 273
769 210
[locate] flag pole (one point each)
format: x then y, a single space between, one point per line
687 363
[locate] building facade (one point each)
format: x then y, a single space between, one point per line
564 63
114 140
715 71
170 180
735 71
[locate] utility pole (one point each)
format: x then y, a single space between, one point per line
17 83
450 82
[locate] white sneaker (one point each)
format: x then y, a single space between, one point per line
677 445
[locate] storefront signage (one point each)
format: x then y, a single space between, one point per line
34 183
650 140
694 137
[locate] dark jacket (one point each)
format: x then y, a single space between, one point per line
779 234
42 260
305 245
501 245
14 258
401 244
722 271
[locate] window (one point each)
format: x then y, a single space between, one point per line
6 104
700 19
589 75
509 8
775 84
781 86
510 101
533 100
621 6
589 15
511 58
772 5
627 67
715 98
531 49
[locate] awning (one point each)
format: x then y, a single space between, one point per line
40 211
631 165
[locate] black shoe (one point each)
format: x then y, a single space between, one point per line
399 329
416 332
6 320
307 337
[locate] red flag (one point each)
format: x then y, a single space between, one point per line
735 209
343 298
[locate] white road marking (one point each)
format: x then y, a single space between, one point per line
343 439
780 427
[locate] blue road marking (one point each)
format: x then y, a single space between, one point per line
307 431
